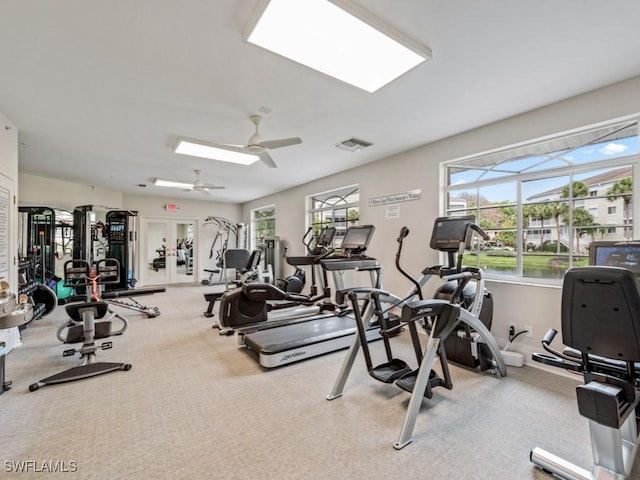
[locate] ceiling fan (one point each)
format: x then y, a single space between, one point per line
198 185
254 147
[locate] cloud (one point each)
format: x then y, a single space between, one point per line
613 149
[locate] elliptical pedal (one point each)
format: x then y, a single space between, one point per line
408 382
390 371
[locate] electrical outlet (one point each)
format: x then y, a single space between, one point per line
529 330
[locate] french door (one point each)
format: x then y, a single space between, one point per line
169 250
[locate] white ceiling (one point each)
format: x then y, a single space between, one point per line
100 89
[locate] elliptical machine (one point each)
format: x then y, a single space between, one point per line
439 317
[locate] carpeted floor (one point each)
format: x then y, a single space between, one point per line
196 406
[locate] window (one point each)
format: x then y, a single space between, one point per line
337 208
545 202
264 224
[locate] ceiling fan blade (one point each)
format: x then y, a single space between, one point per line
204 191
267 160
212 187
283 142
230 147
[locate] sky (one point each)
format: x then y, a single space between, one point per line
590 153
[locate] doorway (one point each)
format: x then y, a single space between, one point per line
169 251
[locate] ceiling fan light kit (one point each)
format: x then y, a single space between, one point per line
254 150
198 185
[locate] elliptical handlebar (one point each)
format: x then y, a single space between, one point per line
479 231
404 232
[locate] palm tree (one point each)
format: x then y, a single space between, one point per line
581 218
579 189
556 210
622 189
539 211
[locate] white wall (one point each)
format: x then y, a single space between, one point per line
48 192
8 241
529 305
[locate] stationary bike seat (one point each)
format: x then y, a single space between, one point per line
74 310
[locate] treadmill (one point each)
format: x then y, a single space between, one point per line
274 344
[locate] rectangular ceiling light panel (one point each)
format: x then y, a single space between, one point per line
337 38
198 148
158 182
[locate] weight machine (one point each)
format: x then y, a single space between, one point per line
226 231
120 232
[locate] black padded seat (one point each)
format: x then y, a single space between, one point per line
75 310
601 312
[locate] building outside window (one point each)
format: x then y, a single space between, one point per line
337 208
543 203
263 221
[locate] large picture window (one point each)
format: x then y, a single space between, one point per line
263 222
337 208
543 203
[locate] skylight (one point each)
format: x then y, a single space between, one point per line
337 38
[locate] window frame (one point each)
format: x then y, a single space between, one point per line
340 192
632 160
255 240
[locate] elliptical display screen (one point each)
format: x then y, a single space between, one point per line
357 238
325 238
624 254
450 232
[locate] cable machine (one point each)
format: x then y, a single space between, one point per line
120 232
122 238
227 235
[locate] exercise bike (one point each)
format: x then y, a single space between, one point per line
83 325
601 330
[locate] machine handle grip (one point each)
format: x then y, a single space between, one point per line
548 338
457 276
480 232
404 231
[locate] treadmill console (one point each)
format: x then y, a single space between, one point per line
356 239
624 254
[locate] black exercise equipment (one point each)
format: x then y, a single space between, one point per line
440 317
122 238
279 342
252 303
316 246
121 234
85 322
36 242
600 319
36 267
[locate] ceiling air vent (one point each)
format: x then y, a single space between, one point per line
353 145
